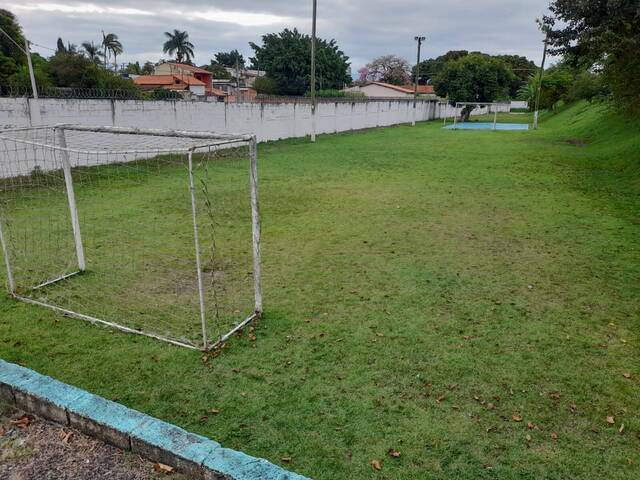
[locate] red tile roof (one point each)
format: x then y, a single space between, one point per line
154 80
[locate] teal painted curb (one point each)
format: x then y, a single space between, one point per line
131 430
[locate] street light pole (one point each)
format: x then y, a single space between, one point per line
27 50
538 93
313 73
415 90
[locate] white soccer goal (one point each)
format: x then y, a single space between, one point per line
153 232
480 108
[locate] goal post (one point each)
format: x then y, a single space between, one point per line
490 107
152 232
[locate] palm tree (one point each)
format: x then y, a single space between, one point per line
112 45
92 51
178 43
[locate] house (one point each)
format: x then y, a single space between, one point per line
247 77
185 84
387 90
186 72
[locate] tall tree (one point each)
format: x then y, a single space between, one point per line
389 69
178 43
112 46
230 59
92 51
431 67
603 34
474 78
11 57
286 58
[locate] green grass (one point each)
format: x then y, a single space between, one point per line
423 288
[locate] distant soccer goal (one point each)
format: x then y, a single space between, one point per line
153 232
491 109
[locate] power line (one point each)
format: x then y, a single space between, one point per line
42 46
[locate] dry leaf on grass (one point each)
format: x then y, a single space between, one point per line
162 468
22 422
214 411
516 418
611 420
531 425
626 375
286 459
554 436
621 429
376 465
393 453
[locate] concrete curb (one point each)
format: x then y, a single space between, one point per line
131 430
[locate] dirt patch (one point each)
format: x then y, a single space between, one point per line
35 449
576 142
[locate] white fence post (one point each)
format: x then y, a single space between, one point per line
196 241
255 226
11 286
71 198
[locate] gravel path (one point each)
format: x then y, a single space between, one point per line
32 448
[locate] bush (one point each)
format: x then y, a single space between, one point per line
265 86
586 86
333 93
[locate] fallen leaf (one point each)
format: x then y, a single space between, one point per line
490 406
286 459
573 407
621 429
162 468
530 425
243 394
65 436
528 437
626 375
393 453
516 418
611 420
441 398
555 395
379 334
376 465
22 422
554 436
214 411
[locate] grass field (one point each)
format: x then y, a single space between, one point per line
469 299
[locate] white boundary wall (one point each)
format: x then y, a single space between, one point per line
266 121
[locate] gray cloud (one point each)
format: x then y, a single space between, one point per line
363 28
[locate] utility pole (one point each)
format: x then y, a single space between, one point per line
27 50
415 90
537 105
313 73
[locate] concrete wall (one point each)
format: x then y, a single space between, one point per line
267 121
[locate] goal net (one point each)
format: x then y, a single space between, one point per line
147 231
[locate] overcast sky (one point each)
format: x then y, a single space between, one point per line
363 28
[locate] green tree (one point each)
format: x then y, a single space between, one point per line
286 58
265 86
147 68
474 78
229 59
112 46
604 34
433 66
11 57
178 43
218 71
92 51
522 69
21 79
